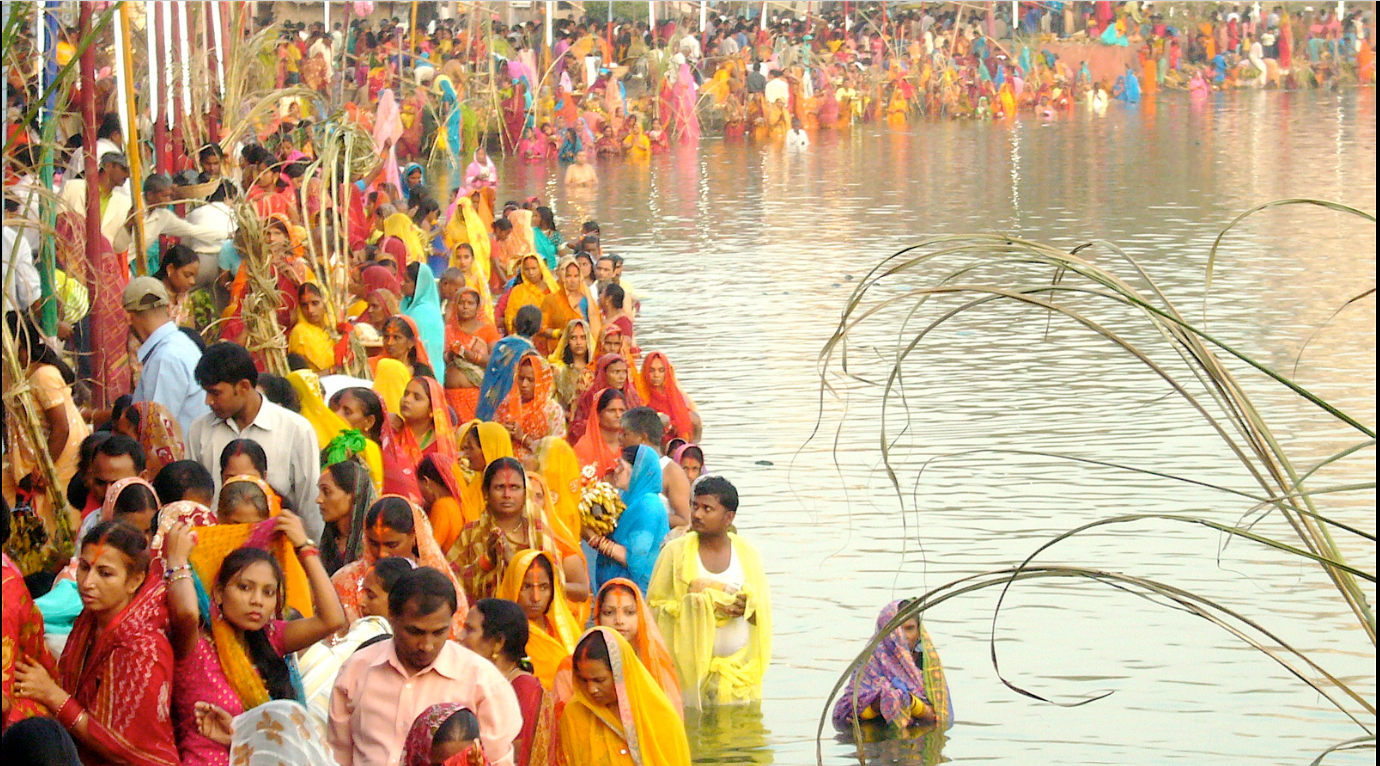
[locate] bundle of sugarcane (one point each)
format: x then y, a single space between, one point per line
261 300
33 545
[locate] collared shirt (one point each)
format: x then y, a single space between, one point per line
289 442
375 701
169 358
22 285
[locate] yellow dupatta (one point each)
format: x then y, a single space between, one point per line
465 225
329 425
551 643
390 380
687 621
559 466
526 294
400 226
495 442
643 730
313 342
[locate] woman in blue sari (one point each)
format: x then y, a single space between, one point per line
570 146
631 551
500 374
423 306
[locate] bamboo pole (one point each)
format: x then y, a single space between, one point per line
47 260
99 343
124 59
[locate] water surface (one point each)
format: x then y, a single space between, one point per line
743 258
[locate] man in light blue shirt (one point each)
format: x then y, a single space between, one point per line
168 356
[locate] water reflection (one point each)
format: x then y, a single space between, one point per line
916 746
730 734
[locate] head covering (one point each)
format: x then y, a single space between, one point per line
279 733
349 581
526 293
402 442
501 373
650 646
483 552
275 503
495 442
684 448
644 723
668 400
159 435
417 749
560 469
551 640
592 450
363 500
584 408
112 493
379 278
644 517
390 378
424 308
400 227
890 681
188 512
144 293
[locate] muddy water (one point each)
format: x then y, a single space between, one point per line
744 257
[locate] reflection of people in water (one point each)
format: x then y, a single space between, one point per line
901 685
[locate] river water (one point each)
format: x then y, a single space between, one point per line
744 257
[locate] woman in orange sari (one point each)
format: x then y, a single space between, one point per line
438 477
529 413
468 341
395 526
569 302
620 606
659 389
421 427
613 371
598 448
533 581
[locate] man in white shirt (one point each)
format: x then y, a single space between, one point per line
227 374
777 89
159 220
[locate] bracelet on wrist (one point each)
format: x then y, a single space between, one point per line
307 551
179 576
69 711
307 543
170 571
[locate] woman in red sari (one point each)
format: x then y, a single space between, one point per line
118 662
421 427
23 639
612 371
659 389
468 341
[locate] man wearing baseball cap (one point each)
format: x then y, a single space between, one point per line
168 355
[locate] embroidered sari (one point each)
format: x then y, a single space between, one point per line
494 442
159 435
349 581
122 677
465 399
584 408
422 735
482 553
572 380
23 640
644 730
537 418
501 374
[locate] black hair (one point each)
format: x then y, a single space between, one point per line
394 512
295 362
210 150
503 463
221 192
427 469
589 227
77 492
110 125
505 620
592 648
124 538
629 454
606 398
309 287
137 498
226 362
180 478
428 588
614 293
272 667
390 569
645 422
250 449
176 257
527 323
568 356
119 445
27 337
371 404
695 451
405 329
503 224
546 220
589 242
718 486
460 726
278 390
425 206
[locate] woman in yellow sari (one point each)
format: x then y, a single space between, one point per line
311 336
535 283
533 581
567 544
334 437
390 379
618 715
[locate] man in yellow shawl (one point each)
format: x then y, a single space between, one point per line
709 593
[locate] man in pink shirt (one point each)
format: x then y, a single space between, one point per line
382 688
